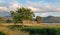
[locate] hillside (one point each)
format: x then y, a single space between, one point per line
51 19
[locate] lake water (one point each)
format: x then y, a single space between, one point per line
52 23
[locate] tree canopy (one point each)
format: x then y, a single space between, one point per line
22 14
38 19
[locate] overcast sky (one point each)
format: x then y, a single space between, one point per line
40 7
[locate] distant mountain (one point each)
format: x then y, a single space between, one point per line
51 19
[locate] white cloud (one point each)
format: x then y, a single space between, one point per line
34 9
14 6
42 7
44 14
48 14
4 9
34 6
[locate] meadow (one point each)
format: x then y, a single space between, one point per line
29 29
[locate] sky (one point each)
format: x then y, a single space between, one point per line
39 7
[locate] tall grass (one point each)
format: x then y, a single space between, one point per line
36 30
41 31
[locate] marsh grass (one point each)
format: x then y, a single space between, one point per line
38 30
41 31
34 29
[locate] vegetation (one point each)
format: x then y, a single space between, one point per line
37 30
38 19
8 21
25 14
1 19
32 29
22 14
1 33
41 31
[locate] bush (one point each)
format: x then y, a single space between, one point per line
8 21
2 33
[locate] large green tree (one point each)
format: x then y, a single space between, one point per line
22 14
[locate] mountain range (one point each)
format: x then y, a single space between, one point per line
51 19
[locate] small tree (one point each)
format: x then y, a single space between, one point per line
38 19
1 19
22 14
8 21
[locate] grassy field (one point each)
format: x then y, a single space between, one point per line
30 29
40 25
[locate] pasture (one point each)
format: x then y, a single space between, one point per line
30 29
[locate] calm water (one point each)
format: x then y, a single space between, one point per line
52 23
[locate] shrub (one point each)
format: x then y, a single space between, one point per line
2 33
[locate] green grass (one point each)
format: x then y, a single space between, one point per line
41 31
32 29
38 30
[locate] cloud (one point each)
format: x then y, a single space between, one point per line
14 6
4 9
44 6
38 6
7 7
33 9
45 14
